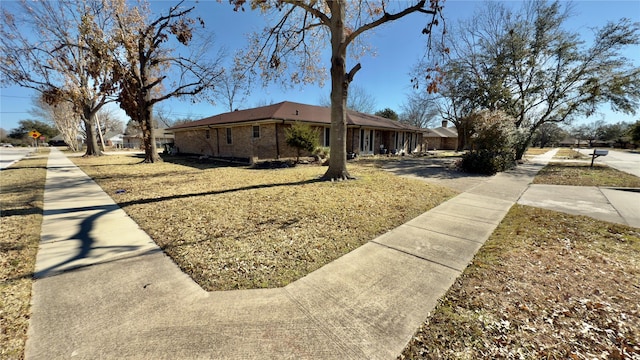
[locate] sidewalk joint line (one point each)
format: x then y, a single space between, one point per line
456 216
418 256
453 236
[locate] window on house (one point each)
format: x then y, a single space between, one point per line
371 140
207 134
327 134
256 132
229 139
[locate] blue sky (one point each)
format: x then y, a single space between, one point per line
384 75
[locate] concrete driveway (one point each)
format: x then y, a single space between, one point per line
439 171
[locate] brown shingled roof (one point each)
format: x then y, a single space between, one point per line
290 111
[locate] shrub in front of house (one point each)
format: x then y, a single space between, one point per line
492 143
302 137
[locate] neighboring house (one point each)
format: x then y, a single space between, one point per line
259 133
134 141
569 142
58 140
580 143
113 139
441 138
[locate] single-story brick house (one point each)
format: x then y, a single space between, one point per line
134 141
441 138
259 133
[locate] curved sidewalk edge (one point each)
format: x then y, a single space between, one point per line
105 290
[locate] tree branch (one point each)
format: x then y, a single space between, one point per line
418 7
308 8
353 72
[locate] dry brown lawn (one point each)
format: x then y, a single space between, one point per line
567 153
533 151
546 285
581 174
21 200
240 228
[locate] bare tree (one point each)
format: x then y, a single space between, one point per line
233 86
62 116
148 59
58 48
419 109
358 99
106 121
527 64
292 44
109 121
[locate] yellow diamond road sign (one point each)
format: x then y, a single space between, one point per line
34 134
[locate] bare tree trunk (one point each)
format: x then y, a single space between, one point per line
462 136
339 90
92 142
148 138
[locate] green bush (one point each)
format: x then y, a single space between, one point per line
487 162
302 137
492 143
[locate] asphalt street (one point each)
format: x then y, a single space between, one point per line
9 155
624 161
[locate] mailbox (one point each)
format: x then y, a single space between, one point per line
597 153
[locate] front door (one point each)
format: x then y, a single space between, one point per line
366 141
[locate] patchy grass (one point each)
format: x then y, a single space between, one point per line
581 174
534 151
21 201
567 153
239 228
546 285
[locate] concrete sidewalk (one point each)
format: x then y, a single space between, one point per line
104 289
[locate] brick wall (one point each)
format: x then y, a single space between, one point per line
196 142
271 144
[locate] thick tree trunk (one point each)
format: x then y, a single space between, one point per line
339 88
90 129
462 136
521 147
148 138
